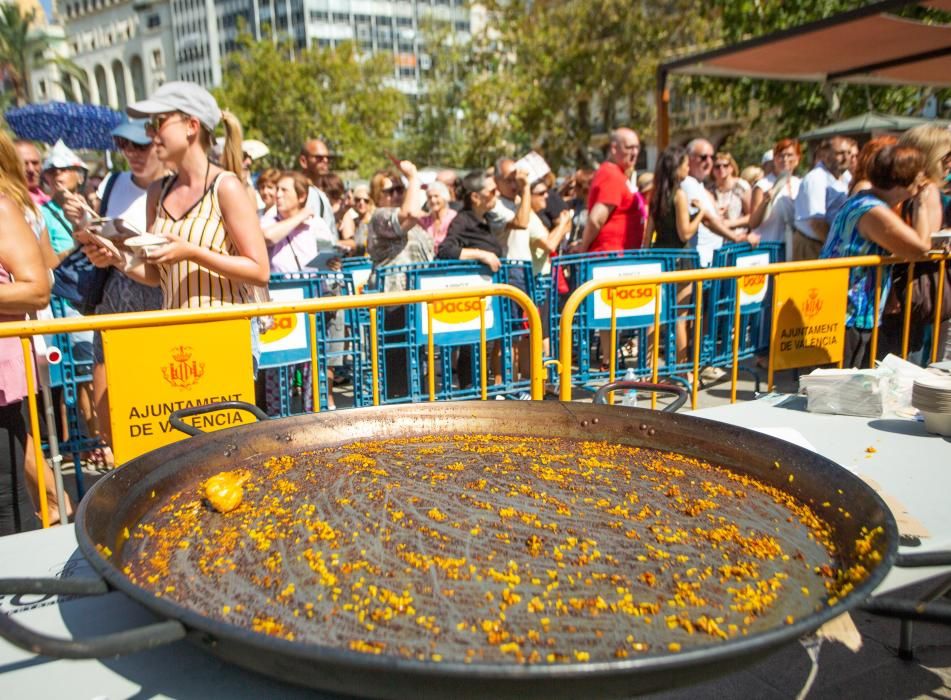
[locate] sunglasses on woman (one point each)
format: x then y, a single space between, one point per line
157 121
127 145
361 200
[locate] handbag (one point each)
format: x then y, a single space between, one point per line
80 282
924 292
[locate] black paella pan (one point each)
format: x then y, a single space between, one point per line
124 497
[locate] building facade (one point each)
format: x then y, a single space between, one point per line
124 47
127 48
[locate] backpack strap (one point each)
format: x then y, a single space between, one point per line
107 192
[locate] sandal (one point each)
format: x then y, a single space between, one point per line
97 460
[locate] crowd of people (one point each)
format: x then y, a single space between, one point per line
226 230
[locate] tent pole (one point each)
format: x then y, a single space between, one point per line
663 110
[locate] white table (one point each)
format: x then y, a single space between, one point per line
908 463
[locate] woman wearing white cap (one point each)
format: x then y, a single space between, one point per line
215 252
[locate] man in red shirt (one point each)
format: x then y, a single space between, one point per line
616 215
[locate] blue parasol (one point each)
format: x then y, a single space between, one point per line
79 125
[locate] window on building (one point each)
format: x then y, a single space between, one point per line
404 21
462 26
318 16
157 58
384 35
153 21
323 43
340 18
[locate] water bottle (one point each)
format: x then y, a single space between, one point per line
630 396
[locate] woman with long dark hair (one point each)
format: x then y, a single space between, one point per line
671 218
670 214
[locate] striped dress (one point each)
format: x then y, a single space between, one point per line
186 284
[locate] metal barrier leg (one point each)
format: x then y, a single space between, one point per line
906 648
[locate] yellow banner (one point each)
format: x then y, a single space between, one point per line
809 318
152 372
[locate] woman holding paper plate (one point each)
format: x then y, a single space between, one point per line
207 248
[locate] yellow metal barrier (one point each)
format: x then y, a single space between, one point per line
26 329
697 277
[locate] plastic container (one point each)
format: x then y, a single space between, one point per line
939 423
630 396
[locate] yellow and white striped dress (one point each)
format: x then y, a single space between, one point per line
186 284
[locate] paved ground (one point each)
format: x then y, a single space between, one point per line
874 672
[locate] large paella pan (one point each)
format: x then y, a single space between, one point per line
506 549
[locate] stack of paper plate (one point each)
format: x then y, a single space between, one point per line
932 396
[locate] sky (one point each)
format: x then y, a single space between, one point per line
48 6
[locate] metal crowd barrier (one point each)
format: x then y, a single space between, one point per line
590 327
408 375
27 329
754 321
338 339
697 277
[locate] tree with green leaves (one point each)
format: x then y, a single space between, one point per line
20 43
549 75
284 96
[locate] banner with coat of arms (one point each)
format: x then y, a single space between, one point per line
809 318
152 372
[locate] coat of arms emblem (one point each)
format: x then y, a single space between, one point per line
183 372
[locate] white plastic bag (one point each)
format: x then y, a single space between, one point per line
847 392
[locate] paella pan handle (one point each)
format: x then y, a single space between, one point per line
175 419
679 392
103 646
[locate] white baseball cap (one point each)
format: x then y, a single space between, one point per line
180 96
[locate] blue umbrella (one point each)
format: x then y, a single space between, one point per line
79 125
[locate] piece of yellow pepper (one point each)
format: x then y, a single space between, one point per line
224 490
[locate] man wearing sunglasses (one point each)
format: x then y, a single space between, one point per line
713 230
314 161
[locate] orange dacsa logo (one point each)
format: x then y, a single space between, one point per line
629 297
283 326
752 284
455 311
